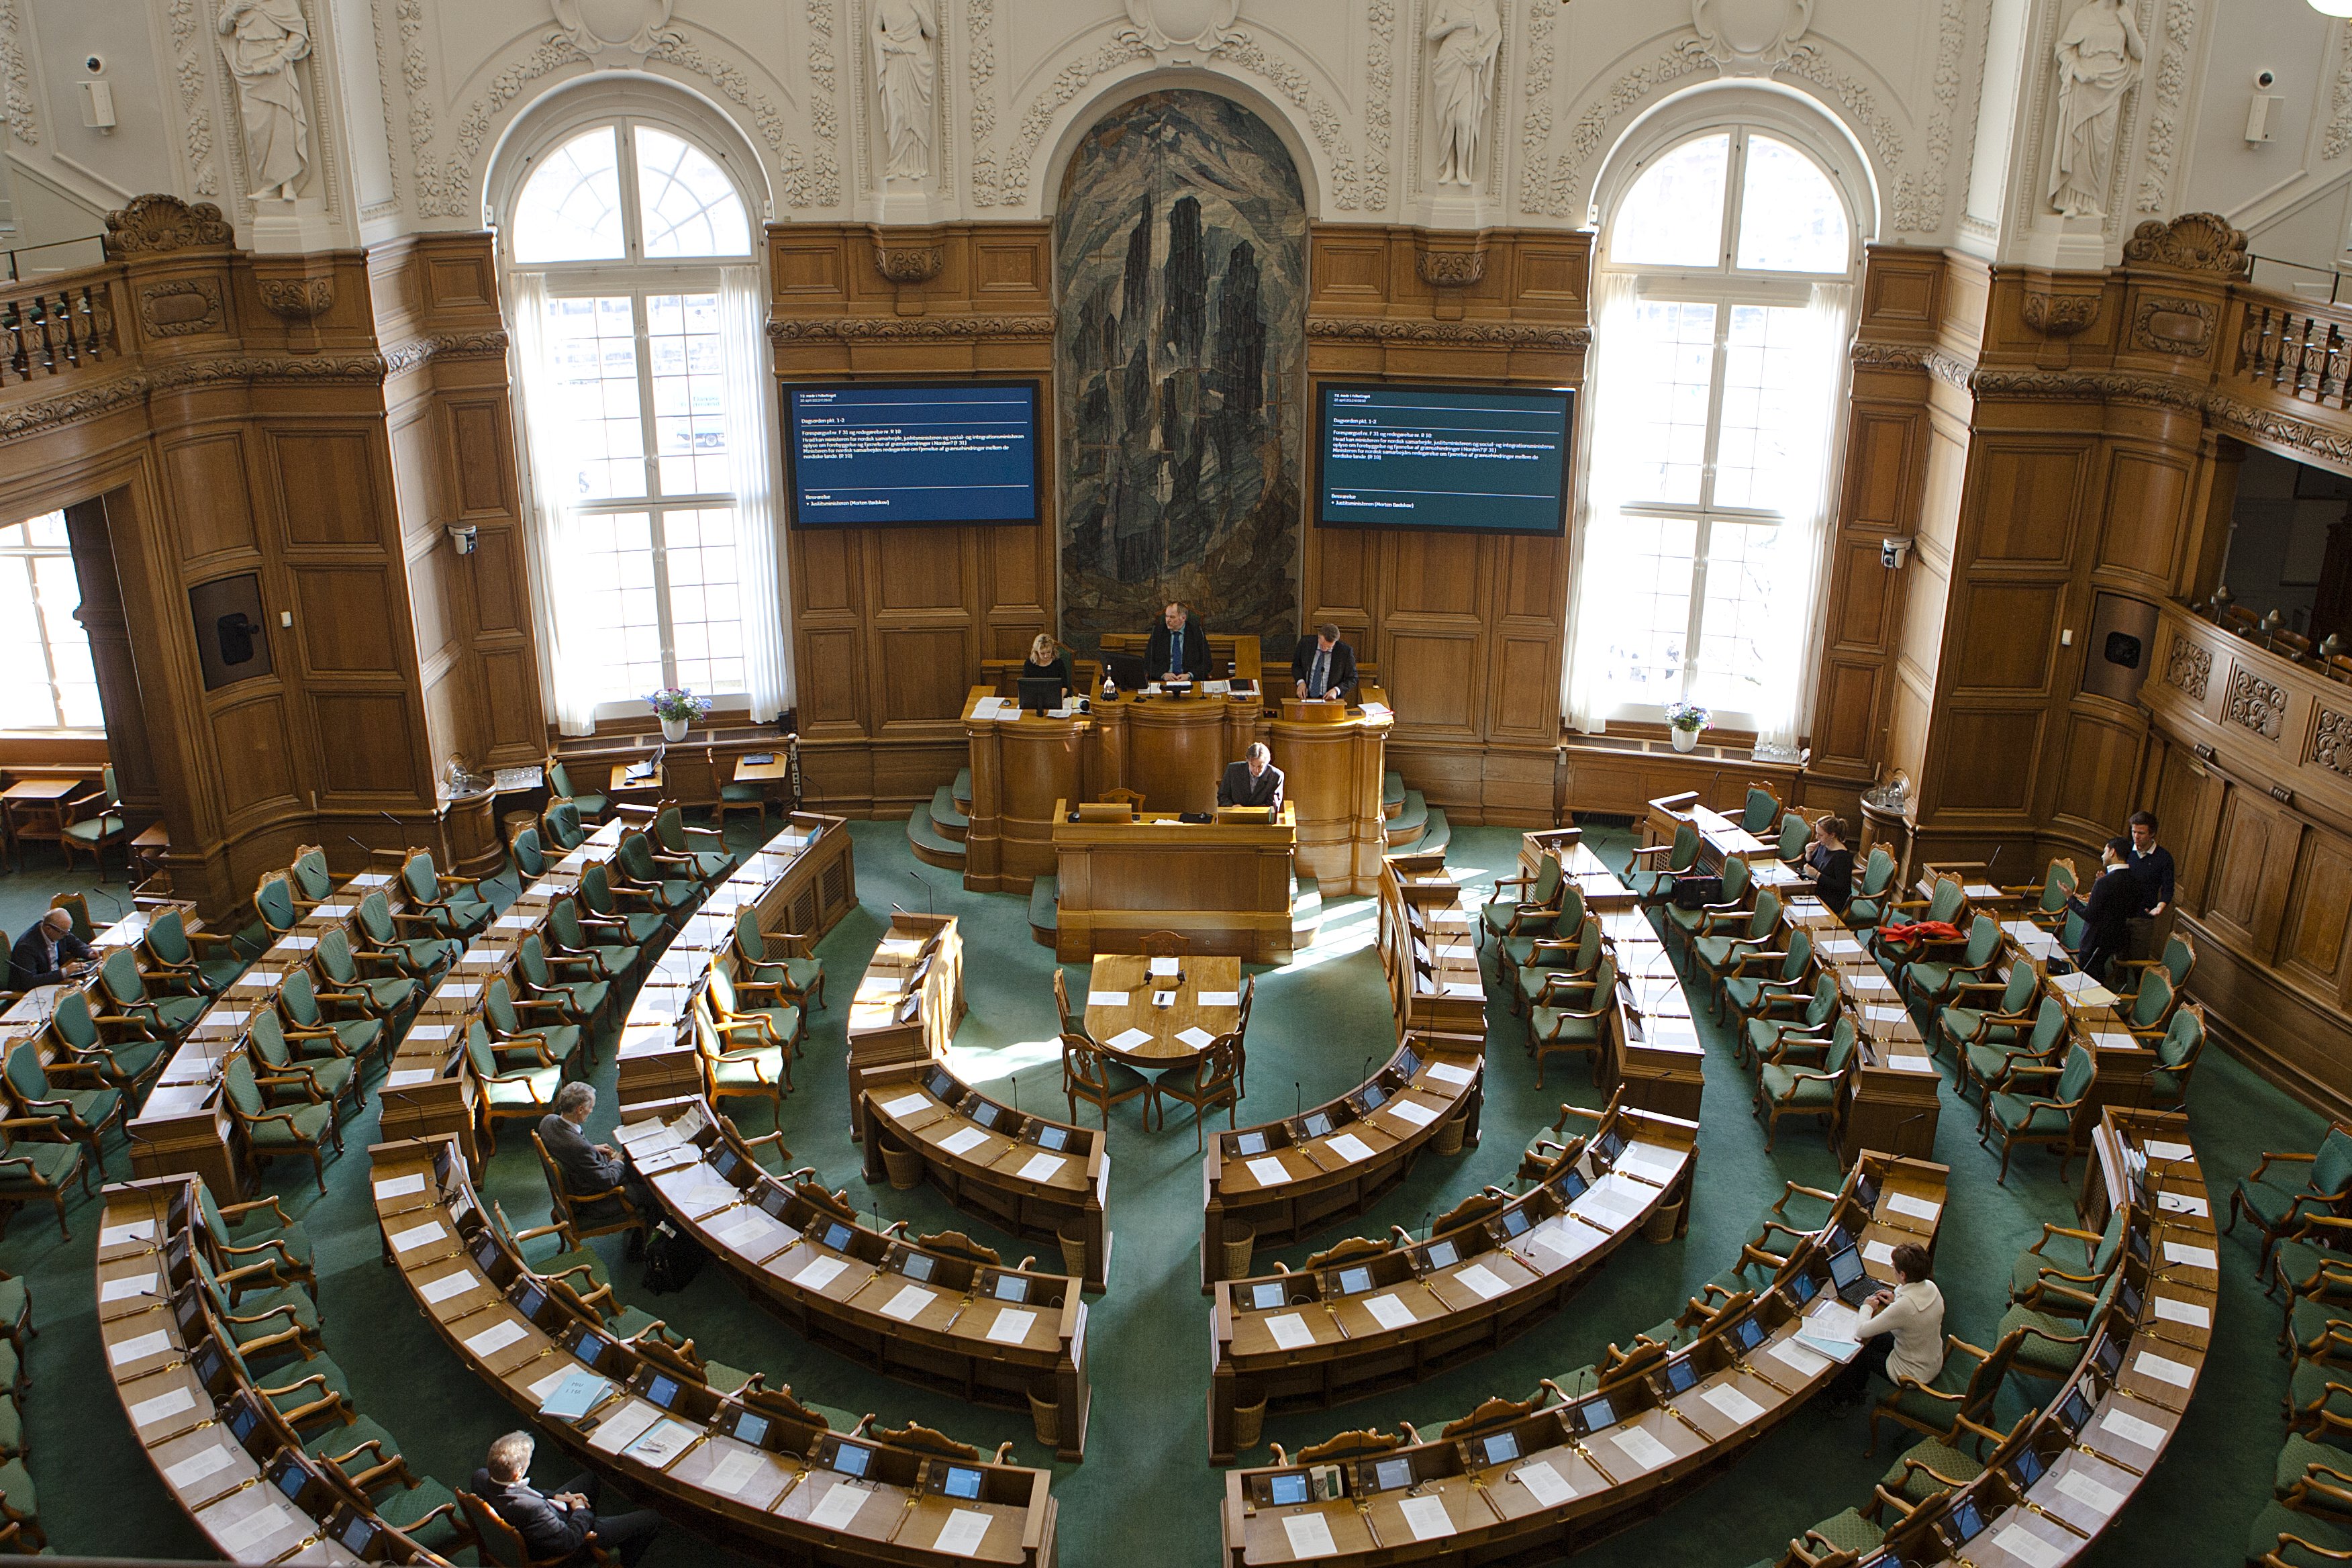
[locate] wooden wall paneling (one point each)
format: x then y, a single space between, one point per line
2254 849
2318 918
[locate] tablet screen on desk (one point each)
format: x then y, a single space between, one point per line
1408 1064
918 1266
987 1114
1051 1138
1283 1492
837 1235
1373 1096
1867 1191
1443 1255
590 1346
963 1481
661 1391
1266 1296
358 1536
1964 1523
291 1479
750 1428
1611 1144
2075 1414
1317 1123
724 1162
1749 1334
943 1085
1514 1222
1355 1281
2109 1357
1679 1376
850 1460
529 1298
1594 1415
1570 1185
1389 1474
1012 1287
1802 1287
2128 1298
2026 1468
1502 1447
1250 1143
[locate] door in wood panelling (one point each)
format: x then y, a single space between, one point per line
2318 914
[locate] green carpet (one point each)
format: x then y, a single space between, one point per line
1316 1022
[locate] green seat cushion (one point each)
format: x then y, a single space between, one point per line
1848 1532
403 1506
522 1048
738 794
335 1442
1685 920
1988 1062
2276 1519
286 1376
90 1105
1916 1485
793 973
309 1125
261 1300
581 998
1783 1087
2300 1453
11 1429
537 1087
589 805
16 1300
16 1488
134 1059
332 1074
2309 1382
2026 1117
2309 1320
1552 1026
1123 1078
357 1036
1962 1023
2299 1260
643 926
91 830
760 1069
1918 1404
53 1166
2271 1199
2027 1272
2052 1346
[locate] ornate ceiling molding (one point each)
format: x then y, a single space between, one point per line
1380 73
1498 334
979 50
1534 125
623 52
1213 25
866 329
15 80
1750 37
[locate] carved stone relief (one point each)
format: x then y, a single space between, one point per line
2255 704
1750 37
1451 269
297 298
614 33
1162 25
2188 666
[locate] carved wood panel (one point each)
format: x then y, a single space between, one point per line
2319 912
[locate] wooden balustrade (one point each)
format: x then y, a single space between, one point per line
50 328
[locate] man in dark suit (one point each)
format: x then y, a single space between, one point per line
593 1167
2106 913
1252 781
2152 922
1325 668
1179 646
43 956
561 1525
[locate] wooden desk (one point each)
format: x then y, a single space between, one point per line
1243 655
1199 1011
35 808
472 1288
1303 1340
910 998
1021 1173
1225 886
1286 1180
1430 953
147 852
779 765
980 1332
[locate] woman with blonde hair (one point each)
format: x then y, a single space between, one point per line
1046 661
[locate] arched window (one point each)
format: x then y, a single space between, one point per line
53 684
1722 298
639 310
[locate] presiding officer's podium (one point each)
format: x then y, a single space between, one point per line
1224 884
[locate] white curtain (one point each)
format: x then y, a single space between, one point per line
1807 492
1596 556
573 664
751 463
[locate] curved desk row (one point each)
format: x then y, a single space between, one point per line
1286 1180
1512 1482
229 1467
753 1469
1426 937
910 998
984 1333
1024 1173
1381 1318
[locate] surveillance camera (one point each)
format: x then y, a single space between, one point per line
94 64
1891 552
2265 80
463 537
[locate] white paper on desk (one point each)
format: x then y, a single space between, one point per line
899 947
1832 1320
1166 968
907 1304
139 1349
1309 1535
960 1535
256 1526
298 944
1350 1148
2162 1149
2027 1547
147 1412
905 1105
2181 1202
1446 1072
495 1338
1426 1516
409 1240
515 922
1546 1485
1462 988
401 1186
1220 998
1482 1280
1127 1039
2098 1496
1869 982
1289 1330
1011 1325
1564 1241
1040 1167
731 1474
370 879
1267 1170
1653 1165
2193 1257
1105 998
1390 1312
227 1015
409 1078
2130 1429
2174 1310
123 1290
664 1442
820 1273
1732 1404
431 1031
1805 1363
838 1506
963 1141
189 1471
1198 1039
448 1285
1918 1208
1879 1252
624 1426
1912 1064
2164 1369
1412 1111
1644 1450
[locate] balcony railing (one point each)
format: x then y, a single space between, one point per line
49 329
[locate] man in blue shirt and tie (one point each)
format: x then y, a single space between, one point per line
1179 647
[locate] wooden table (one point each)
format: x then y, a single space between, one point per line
1224 884
147 852
35 808
1178 1033
621 783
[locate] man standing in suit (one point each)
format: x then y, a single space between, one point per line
1325 668
1252 781
2152 922
593 1167
2107 913
48 953
560 1526
1179 647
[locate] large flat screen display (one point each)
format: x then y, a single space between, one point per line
873 455
1490 459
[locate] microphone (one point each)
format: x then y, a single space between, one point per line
355 839
110 903
1366 1075
929 907
393 820
1299 1100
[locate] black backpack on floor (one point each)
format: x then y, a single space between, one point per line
672 1261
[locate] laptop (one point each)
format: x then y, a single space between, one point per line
1849 1278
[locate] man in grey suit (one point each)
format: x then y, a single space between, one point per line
594 1167
1252 781
560 1526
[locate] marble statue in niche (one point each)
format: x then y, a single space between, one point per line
2099 57
905 37
1180 248
266 38
1468 35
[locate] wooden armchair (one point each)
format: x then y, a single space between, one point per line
1088 1075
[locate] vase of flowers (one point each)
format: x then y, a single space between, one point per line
677 708
1685 721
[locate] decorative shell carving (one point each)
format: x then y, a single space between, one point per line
1750 37
297 298
2061 315
154 223
2255 704
2193 242
2188 666
2331 743
613 32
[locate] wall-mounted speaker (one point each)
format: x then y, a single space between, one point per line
2122 647
231 644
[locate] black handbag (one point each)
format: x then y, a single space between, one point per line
1698 893
672 1261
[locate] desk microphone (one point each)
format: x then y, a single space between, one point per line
395 821
363 849
1298 1100
110 904
930 906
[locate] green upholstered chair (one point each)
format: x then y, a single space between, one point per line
91 834
1966 1386
517 1044
77 906
2279 1200
1762 987
73 1095
676 841
1931 979
1944 903
255 1244
127 996
1871 896
2037 1104
1800 1039
1570 1017
1759 811
1796 835
1537 959
424 956
636 867
292 1079
1943 1463
271 1131
577 1217
2063 1270
1987 1012
784 960
529 855
560 828
1518 948
2315 1531
1787 1087
746 794
585 807
1208 1080
735 1016
343 969
124 1061
2178 963
174 951
542 979
2176 1050
732 1071
313 1021
1088 1075
516 1094
37 1157
2049 895
262 1320
314 884
1988 1062
1723 939
274 906
1656 885
449 902
2148 1010
1536 902
1687 925
572 937
631 914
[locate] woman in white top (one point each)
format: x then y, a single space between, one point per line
1901 1330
